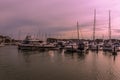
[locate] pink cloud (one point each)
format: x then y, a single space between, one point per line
57 15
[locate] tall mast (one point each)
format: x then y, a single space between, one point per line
109 31
78 30
94 25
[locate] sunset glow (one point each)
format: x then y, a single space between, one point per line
58 17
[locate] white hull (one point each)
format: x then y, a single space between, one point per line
1 45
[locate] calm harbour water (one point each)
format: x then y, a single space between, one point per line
57 65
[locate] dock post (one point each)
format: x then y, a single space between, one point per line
114 50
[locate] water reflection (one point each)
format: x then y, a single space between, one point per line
75 56
114 57
51 53
26 55
81 56
58 65
111 54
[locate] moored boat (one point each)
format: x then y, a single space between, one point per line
29 44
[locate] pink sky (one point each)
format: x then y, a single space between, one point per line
58 17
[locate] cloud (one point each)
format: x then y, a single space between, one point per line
116 30
55 16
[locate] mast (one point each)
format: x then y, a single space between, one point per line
19 35
94 25
78 30
109 30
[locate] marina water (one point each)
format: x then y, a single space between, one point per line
57 65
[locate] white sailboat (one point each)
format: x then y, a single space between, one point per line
73 47
108 46
76 47
93 45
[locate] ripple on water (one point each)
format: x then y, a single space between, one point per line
57 65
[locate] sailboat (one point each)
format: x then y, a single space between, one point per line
76 47
108 46
72 46
80 44
93 45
